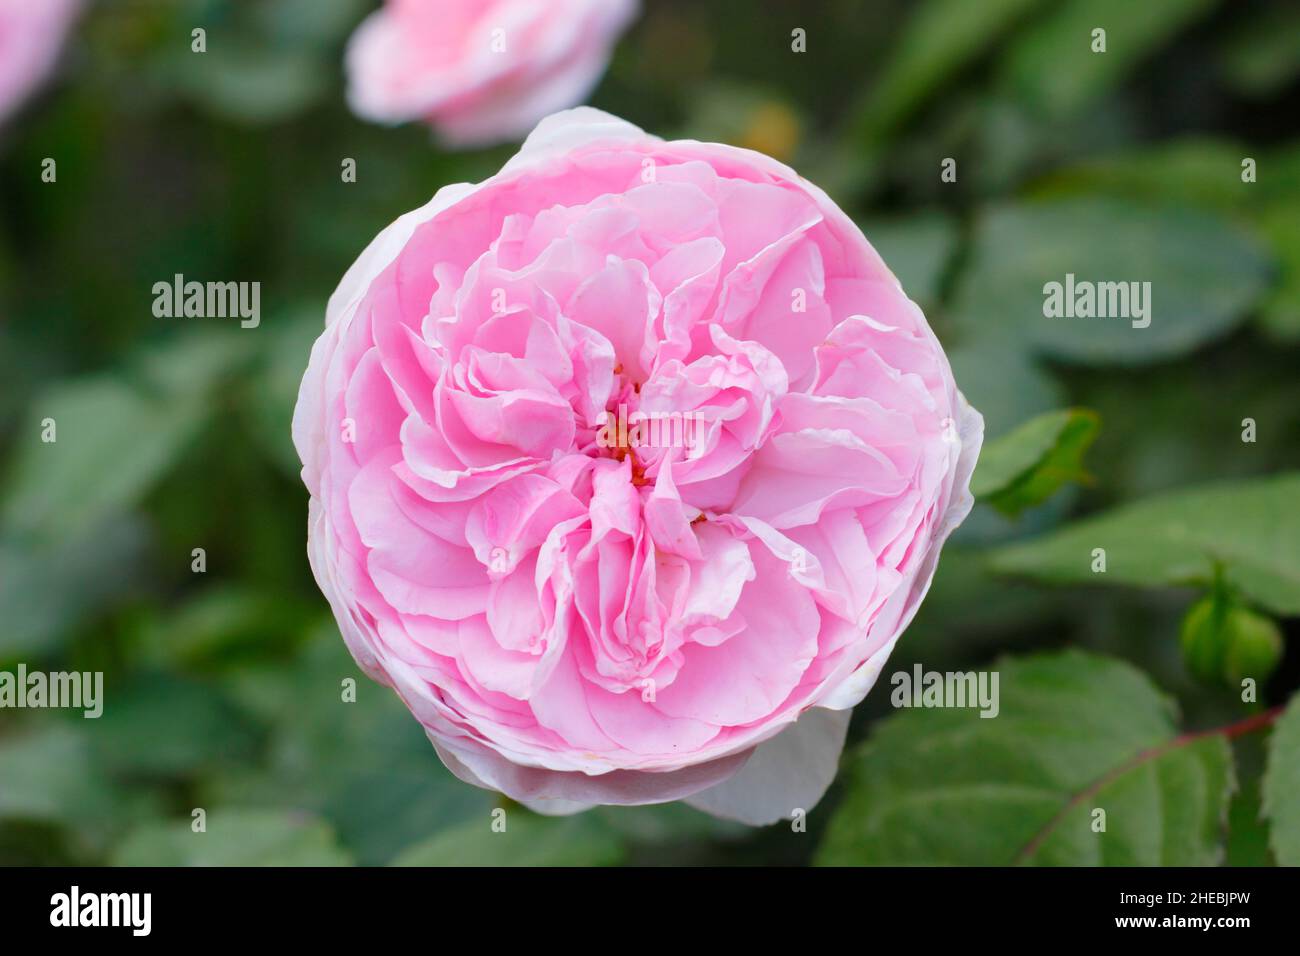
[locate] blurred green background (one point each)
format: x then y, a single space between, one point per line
223 688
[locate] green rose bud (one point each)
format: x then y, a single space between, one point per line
1254 648
1225 642
1203 641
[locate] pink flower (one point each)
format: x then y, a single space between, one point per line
31 35
580 618
481 71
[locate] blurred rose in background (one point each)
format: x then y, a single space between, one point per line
31 35
481 71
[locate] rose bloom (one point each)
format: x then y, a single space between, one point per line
31 35
481 71
577 621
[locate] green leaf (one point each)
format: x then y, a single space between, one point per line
1004 383
968 608
917 250
1248 831
659 824
1198 171
1026 467
226 626
234 838
111 443
1203 172
1208 173
1204 273
1074 733
1282 786
318 23
939 39
528 840
47 775
1279 313
115 435
50 775
47 589
189 367
364 765
247 81
1053 67
1251 528
167 726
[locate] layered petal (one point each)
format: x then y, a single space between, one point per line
628 468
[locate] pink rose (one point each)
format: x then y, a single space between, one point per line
481 71
31 35
578 617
